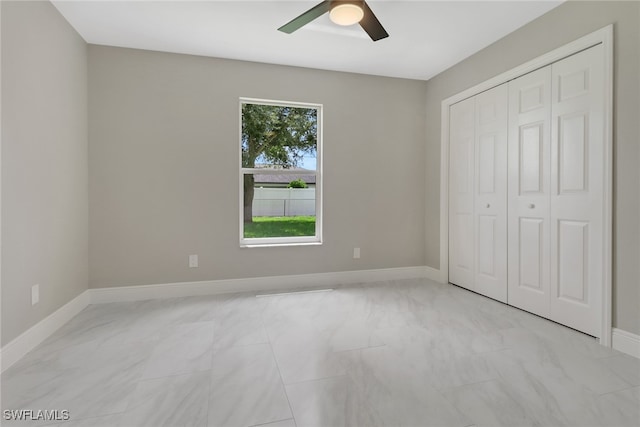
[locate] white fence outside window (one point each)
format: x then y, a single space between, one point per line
284 201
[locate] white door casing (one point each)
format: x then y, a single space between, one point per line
577 190
490 198
461 231
528 191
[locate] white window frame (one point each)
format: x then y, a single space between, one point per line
281 241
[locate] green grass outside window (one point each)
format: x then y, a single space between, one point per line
280 226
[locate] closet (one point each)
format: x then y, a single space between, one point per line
526 191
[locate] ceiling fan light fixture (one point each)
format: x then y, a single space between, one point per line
341 12
346 14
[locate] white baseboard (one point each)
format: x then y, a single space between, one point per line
28 340
626 342
253 284
433 274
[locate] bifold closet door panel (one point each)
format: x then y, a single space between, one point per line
490 211
461 177
528 191
577 195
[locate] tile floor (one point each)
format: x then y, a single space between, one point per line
403 353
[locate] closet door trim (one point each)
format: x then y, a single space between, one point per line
603 36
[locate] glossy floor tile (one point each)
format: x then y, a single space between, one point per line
400 353
246 387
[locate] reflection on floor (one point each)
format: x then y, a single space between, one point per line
403 353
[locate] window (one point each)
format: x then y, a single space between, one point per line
280 173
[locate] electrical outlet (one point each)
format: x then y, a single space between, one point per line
193 261
35 294
356 253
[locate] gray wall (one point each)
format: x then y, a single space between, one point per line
563 24
164 161
44 163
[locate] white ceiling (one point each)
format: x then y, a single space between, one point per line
426 37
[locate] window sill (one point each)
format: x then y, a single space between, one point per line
277 245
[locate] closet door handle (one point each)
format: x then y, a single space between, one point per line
531 206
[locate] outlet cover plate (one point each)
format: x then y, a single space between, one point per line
193 261
35 294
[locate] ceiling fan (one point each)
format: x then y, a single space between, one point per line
344 13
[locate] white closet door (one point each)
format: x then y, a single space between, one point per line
577 200
491 193
528 191
461 177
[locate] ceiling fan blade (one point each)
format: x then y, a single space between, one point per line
305 18
371 25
